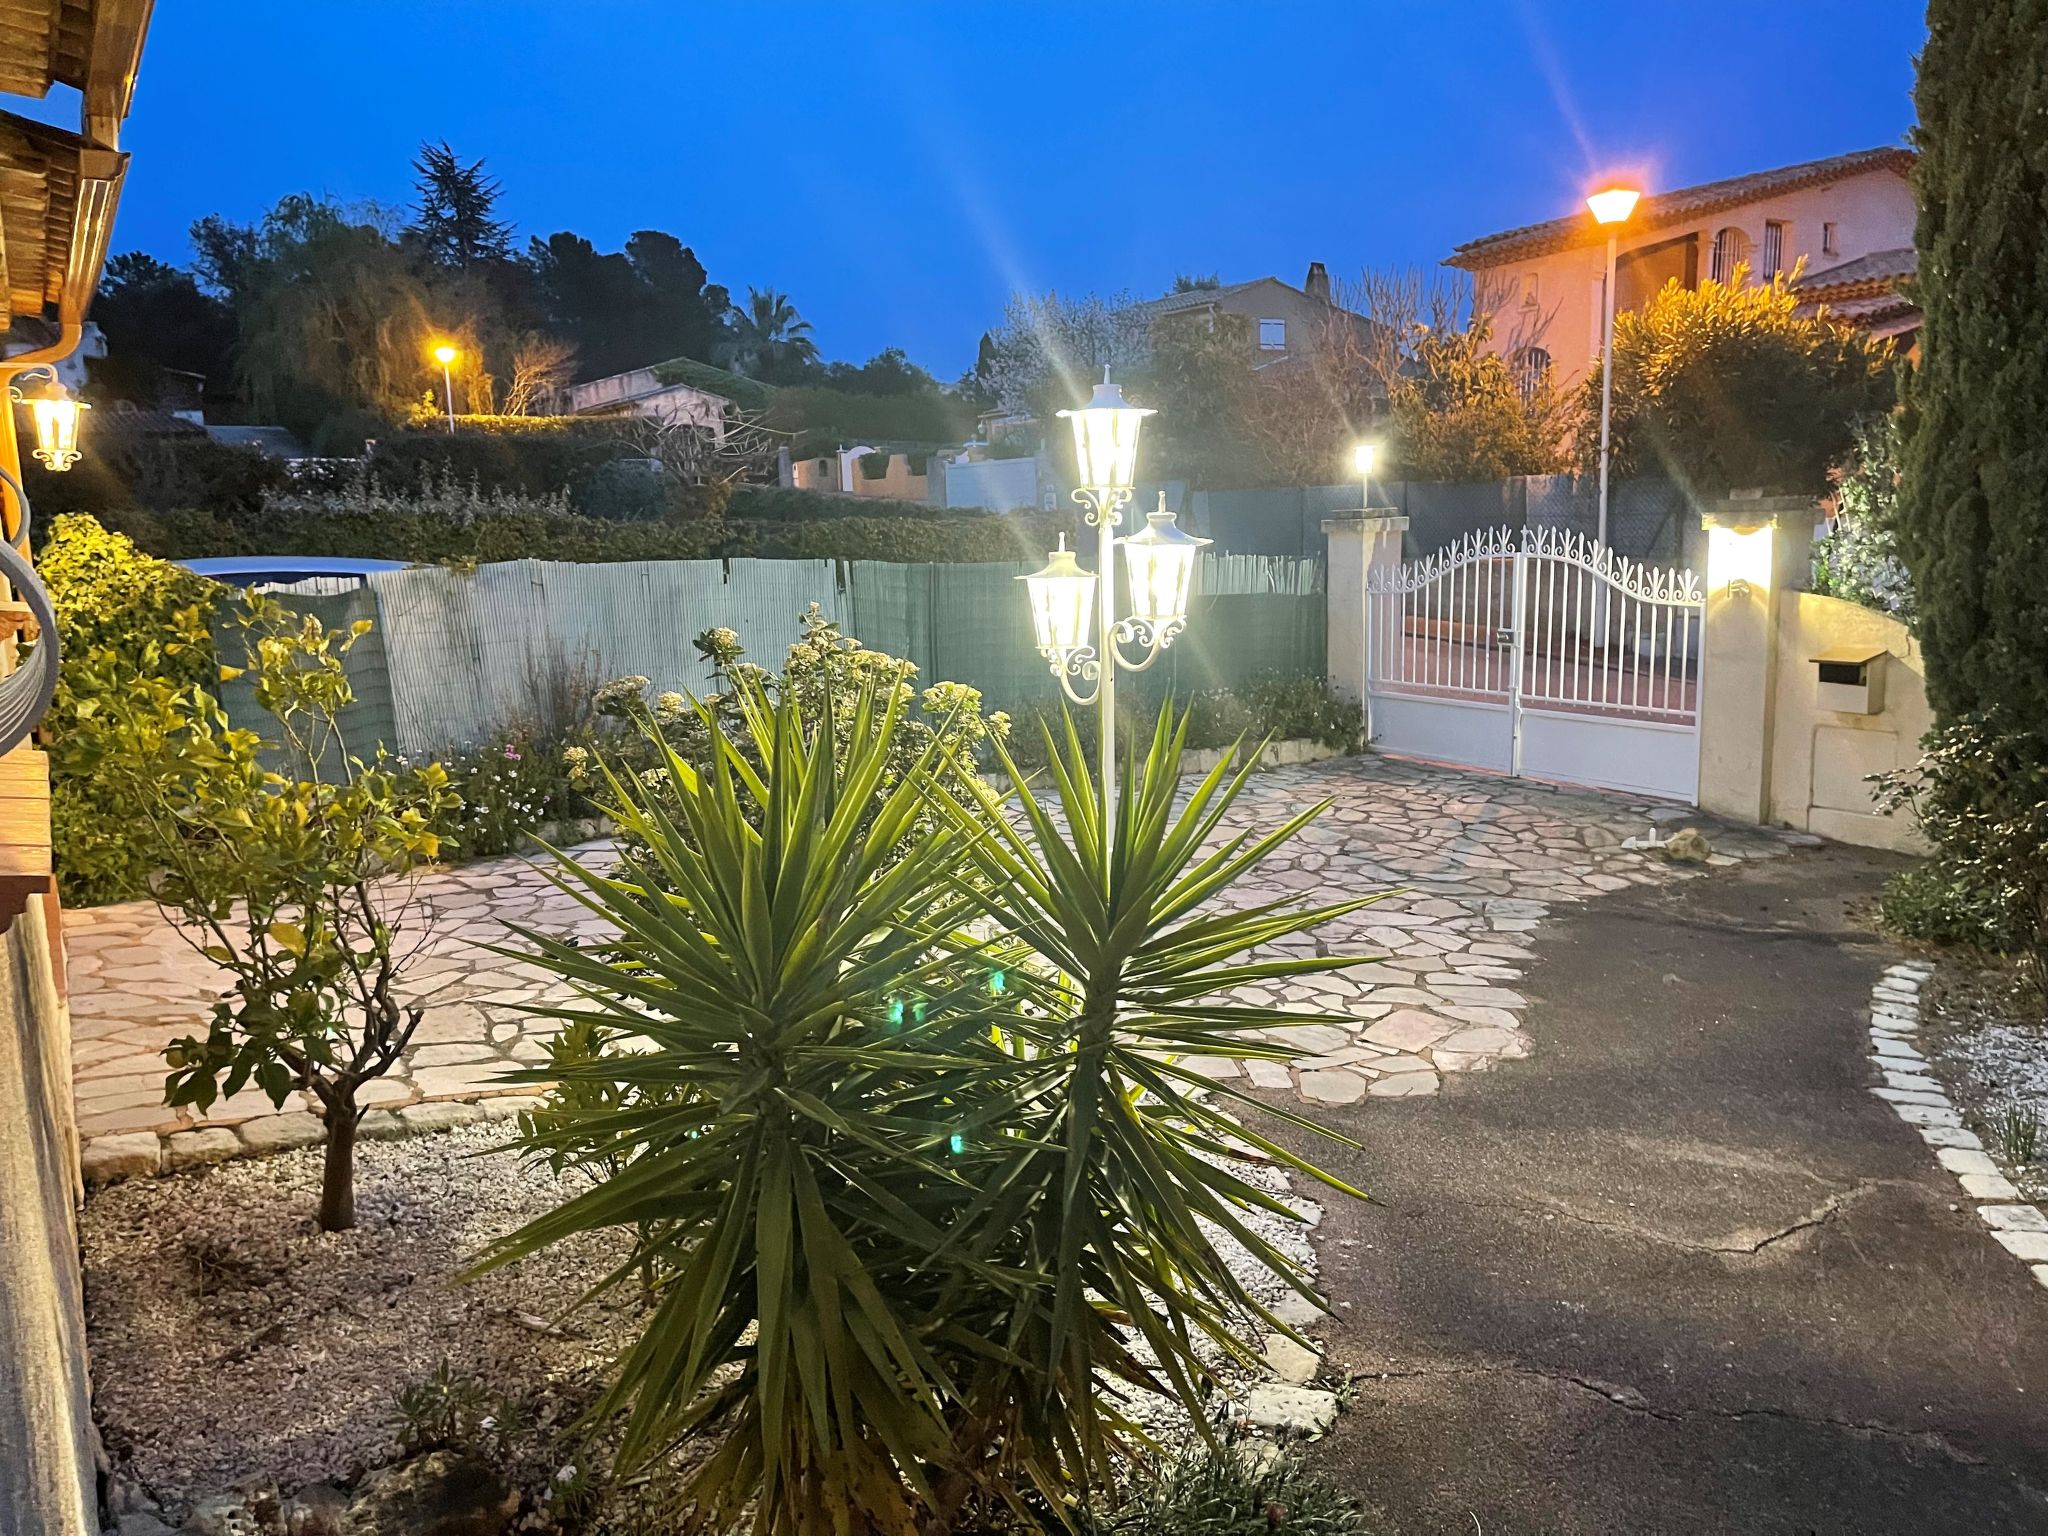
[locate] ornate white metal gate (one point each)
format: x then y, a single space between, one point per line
1538 652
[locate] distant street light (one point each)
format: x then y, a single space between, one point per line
445 355
1159 562
56 417
1611 207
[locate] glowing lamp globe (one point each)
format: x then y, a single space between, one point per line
1161 562
1106 438
444 354
56 417
1062 602
1612 205
1361 458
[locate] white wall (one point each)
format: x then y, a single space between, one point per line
1001 485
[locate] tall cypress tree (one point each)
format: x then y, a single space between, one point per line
1974 501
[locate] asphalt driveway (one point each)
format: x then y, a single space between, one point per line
1680 1271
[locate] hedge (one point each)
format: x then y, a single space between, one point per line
431 537
774 503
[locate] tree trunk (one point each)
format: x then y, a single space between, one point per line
338 1179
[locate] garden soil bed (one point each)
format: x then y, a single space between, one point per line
231 1339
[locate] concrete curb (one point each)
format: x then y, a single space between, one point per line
1919 1099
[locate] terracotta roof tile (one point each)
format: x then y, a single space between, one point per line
1678 206
1879 267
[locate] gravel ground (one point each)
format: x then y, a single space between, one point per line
1992 1055
232 1339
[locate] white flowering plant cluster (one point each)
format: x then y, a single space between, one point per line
515 781
1859 560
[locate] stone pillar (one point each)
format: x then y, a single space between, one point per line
1362 541
1757 548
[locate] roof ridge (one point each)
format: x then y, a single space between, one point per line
1676 202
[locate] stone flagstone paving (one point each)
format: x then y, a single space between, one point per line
1475 864
1479 861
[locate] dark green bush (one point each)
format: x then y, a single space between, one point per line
622 491
875 466
1277 709
157 474
1980 794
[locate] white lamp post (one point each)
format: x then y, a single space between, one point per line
1159 561
445 355
1361 460
1611 207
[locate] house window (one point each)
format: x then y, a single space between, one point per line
1272 335
1731 250
1827 240
1774 248
1532 367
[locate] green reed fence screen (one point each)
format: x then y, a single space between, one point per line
458 655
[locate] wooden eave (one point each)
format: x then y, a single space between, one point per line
57 199
94 46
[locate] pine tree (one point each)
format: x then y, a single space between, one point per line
1974 500
452 220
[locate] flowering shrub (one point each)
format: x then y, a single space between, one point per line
1980 794
507 786
1859 559
825 673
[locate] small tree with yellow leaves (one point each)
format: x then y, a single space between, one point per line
274 857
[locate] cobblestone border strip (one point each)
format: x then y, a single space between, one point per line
1920 1100
140 1154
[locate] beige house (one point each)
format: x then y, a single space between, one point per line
849 472
1544 284
1283 320
680 392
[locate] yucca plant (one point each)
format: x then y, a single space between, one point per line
902 1123
805 1039
1113 1201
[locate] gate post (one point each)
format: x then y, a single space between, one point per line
1361 541
1757 547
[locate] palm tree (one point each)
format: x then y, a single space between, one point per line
769 336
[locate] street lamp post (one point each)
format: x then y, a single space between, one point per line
445 355
1611 207
1159 564
1361 460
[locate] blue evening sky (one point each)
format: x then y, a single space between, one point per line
898 168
